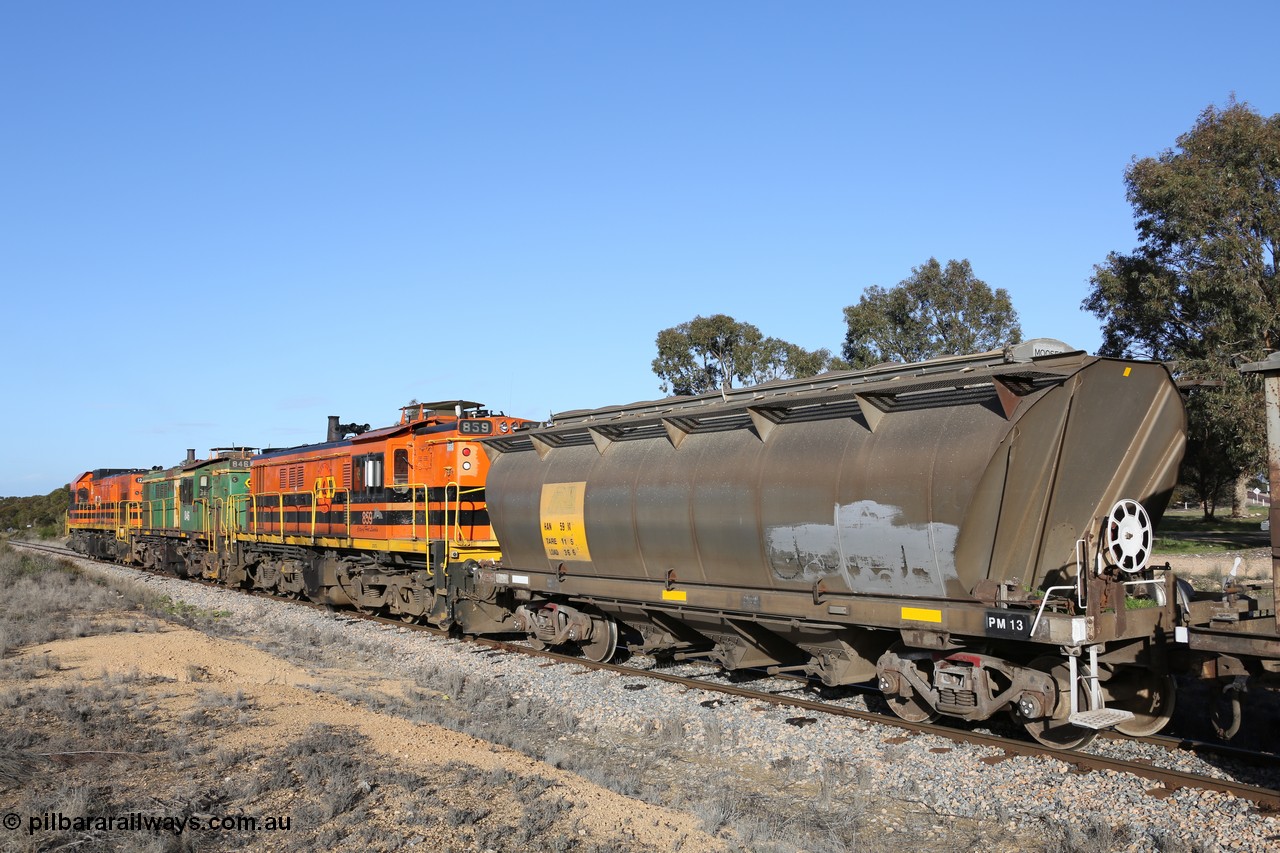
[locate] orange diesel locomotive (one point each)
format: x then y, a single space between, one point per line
386 521
108 500
392 520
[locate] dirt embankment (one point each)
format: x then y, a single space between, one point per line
174 723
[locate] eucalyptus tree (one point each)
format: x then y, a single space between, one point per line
936 311
713 353
1201 289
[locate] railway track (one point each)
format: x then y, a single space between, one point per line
1167 779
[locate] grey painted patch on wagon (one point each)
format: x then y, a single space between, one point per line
871 547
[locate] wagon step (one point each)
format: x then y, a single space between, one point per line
1103 718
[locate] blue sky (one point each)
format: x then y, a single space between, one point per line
220 223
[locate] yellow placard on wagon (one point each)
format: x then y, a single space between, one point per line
564 536
922 614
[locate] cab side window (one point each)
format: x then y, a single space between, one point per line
367 477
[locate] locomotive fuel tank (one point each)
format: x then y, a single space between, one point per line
926 480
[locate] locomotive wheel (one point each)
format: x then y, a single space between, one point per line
399 597
1149 696
605 640
905 703
1054 730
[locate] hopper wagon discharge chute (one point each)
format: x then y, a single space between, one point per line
972 532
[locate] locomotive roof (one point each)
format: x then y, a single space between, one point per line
442 405
382 432
99 473
268 452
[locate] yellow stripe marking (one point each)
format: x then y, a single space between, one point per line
674 595
921 614
1128 370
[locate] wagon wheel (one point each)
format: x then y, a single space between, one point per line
901 697
603 642
1224 710
1148 695
1054 730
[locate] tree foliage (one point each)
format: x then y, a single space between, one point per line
710 353
1201 287
937 311
1222 437
42 512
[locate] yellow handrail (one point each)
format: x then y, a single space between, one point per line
456 533
124 518
255 503
279 505
233 525
151 511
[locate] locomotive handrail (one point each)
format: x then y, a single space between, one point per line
219 503
453 532
257 528
125 518
131 510
413 507
238 503
149 508
206 524
329 495
426 517
164 510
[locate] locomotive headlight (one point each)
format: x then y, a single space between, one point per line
466 466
